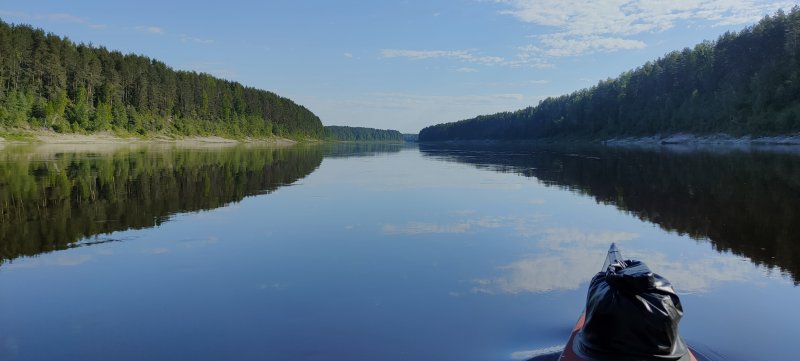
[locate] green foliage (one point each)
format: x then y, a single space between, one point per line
743 83
17 109
359 134
102 117
50 82
78 112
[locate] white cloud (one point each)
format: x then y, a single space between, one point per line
150 29
583 27
470 56
425 54
14 14
348 55
63 17
51 17
402 100
186 38
562 45
465 69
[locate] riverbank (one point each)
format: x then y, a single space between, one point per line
719 140
108 138
707 139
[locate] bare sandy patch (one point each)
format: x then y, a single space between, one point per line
50 142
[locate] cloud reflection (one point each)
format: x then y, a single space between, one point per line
570 257
426 228
544 272
158 250
698 275
521 224
557 238
65 260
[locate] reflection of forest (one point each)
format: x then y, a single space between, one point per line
744 202
50 201
358 149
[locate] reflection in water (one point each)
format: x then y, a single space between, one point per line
743 202
557 266
567 269
356 149
50 201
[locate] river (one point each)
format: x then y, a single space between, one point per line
384 252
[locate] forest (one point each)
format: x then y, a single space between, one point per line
48 82
360 134
744 83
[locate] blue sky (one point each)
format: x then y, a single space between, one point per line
398 64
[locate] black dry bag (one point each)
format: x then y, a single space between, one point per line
631 314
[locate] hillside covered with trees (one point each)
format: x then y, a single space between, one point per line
49 82
359 134
745 82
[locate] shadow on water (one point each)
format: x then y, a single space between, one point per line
745 202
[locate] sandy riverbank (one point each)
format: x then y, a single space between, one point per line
709 139
42 138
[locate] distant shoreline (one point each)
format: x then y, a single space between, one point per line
678 140
706 139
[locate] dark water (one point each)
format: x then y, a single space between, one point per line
383 252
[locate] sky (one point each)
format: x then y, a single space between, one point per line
400 65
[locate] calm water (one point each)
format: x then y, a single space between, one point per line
383 252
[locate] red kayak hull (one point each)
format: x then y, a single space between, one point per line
569 355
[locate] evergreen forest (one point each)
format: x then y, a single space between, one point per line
48 82
744 83
360 134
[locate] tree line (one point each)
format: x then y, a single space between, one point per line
360 134
745 82
50 82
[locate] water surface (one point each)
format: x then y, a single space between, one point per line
382 252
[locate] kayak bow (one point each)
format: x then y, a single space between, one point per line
614 257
